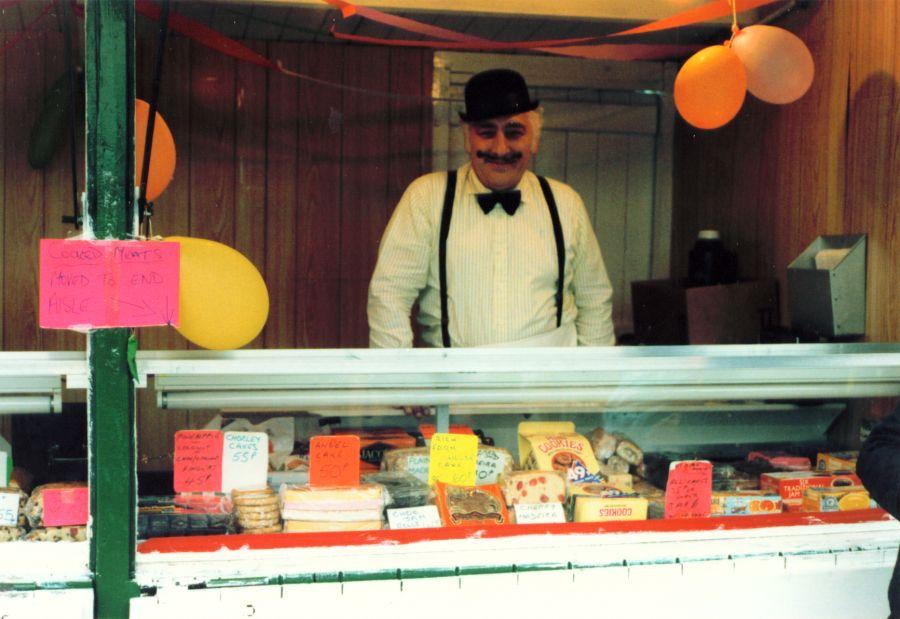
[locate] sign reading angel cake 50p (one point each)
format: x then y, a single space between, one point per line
94 284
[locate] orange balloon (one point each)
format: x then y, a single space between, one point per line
779 66
710 87
162 155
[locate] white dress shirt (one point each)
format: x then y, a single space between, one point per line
502 270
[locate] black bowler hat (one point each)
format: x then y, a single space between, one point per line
498 92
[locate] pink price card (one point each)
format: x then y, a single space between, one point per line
689 489
64 507
197 462
96 284
334 461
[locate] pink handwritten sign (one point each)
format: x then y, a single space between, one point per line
198 461
65 507
93 284
689 489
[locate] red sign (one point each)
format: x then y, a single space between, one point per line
198 461
91 284
334 460
65 507
689 489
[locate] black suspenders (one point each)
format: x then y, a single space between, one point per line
447 214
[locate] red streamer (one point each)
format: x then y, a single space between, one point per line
713 10
478 45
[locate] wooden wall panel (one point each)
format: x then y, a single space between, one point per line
249 220
23 195
281 191
5 420
212 146
318 289
779 176
364 183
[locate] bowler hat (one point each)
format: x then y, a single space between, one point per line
497 92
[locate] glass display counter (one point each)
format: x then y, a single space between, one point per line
677 403
39 576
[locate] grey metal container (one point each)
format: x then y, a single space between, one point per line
829 299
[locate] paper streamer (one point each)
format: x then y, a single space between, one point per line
713 10
478 45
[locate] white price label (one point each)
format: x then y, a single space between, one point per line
9 509
533 513
423 517
245 460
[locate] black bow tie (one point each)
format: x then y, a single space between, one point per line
509 200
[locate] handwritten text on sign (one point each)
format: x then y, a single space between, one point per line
9 509
198 461
245 460
334 460
422 517
65 507
689 489
533 513
453 458
88 284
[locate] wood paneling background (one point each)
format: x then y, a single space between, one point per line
300 177
779 176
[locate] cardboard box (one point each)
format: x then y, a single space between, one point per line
841 499
745 503
792 484
667 313
837 461
604 509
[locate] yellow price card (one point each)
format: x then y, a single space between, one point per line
452 459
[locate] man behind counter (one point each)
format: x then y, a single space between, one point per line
482 248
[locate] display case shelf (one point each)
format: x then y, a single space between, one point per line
611 377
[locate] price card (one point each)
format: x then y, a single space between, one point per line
334 460
198 461
5 467
65 507
423 517
689 489
89 284
532 513
245 460
453 459
9 509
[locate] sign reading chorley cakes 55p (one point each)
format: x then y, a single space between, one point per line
92 284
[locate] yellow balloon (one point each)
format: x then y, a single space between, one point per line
224 302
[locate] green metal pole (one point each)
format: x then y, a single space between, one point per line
109 112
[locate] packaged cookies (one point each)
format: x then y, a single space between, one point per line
34 507
257 511
468 505
567 452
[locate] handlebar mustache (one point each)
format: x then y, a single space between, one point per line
493 158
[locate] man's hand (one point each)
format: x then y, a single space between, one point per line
418 411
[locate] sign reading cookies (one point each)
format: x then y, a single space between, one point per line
453 458
334 461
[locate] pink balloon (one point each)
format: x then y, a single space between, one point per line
779 66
